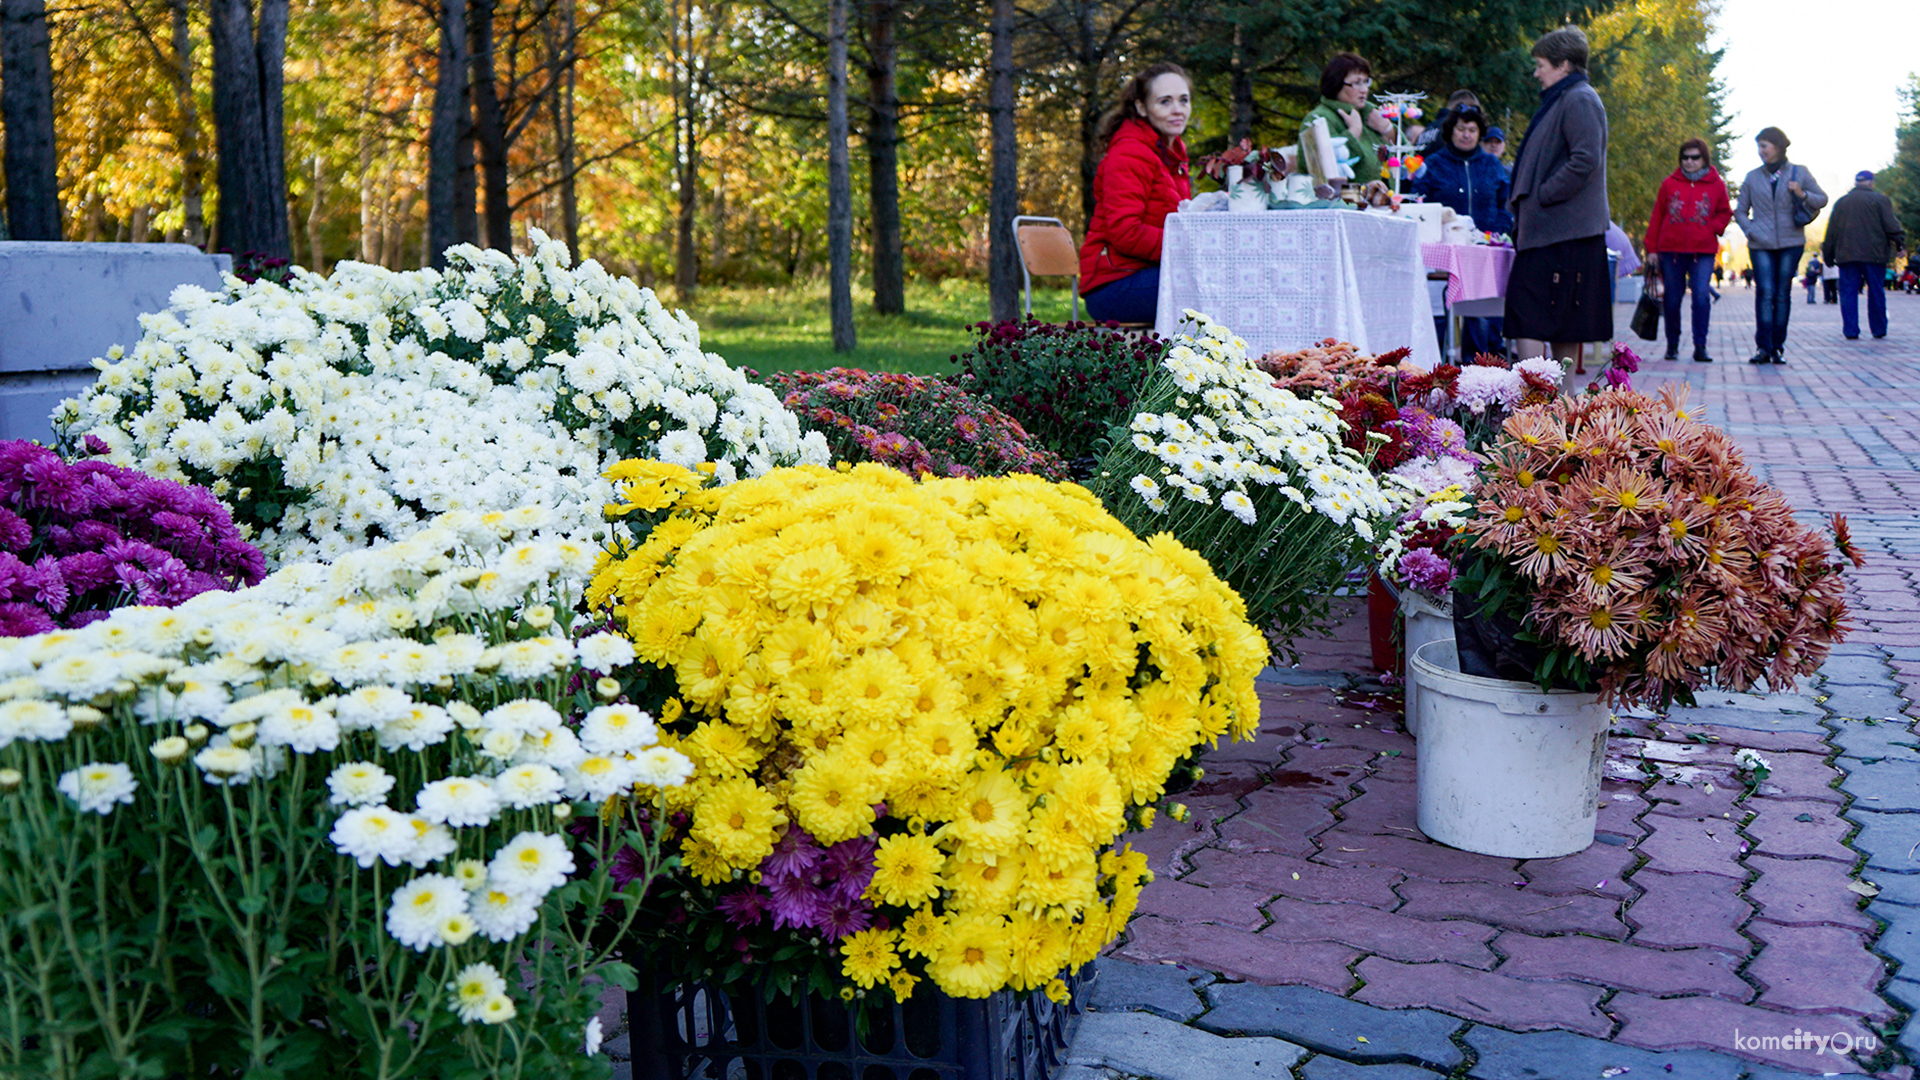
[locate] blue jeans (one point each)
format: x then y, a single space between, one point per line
1134 298
1678 272
1773 270
1482 336
1852 276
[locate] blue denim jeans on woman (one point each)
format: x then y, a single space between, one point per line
1680 271
1134 298
1773 270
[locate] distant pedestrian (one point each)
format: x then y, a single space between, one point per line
1719 274
1768 200
1683 236
1746 277
1812 277
1559 294
1863 236
1495 142
1830 282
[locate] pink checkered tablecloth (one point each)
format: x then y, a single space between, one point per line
1474 271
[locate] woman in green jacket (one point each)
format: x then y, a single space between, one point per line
1345 84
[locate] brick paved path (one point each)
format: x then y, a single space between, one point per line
1700 914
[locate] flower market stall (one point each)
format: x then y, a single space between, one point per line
1284 280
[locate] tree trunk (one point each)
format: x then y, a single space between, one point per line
1086 62
489 128
247 121
883 161
26 112
193 158
1003 201
443 134
839 182
466 191
1240 126
563 94
686 156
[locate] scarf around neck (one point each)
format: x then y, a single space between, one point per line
1695 175
1548 97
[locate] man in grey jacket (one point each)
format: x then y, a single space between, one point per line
1863 233
1775 241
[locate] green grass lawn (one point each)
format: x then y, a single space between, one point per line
789 329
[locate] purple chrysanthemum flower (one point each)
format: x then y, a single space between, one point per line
1426 570
745 908
627 865
795 903
792 857
842 917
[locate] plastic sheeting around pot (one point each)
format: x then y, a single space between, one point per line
1505 768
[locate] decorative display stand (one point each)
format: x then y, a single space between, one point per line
1400 108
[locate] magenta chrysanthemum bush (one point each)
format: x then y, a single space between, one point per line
913 423
80 538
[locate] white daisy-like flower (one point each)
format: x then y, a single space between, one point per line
431 842
521 717
472 987
662 767
682 447
471 874
225 766
421 907
358 783
1237 504
592 1045
531 864
605 652
80 675
98 787
555 746
367 834
617 729
301 728
502 916
458 801
1145 486
33 719
421 726
526 786
599 776
369 707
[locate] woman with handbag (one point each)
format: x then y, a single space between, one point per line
1683 236
1778 201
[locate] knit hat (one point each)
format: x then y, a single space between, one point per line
1775 136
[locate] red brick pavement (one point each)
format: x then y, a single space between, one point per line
1697 912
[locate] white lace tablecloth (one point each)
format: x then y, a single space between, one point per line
1285 279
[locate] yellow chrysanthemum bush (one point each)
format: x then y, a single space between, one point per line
920 716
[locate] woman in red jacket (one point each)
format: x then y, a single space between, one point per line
1140 181
1683 236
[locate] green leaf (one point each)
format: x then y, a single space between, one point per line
621 975
252 905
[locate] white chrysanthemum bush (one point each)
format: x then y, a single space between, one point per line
341 411
1250 476
357 819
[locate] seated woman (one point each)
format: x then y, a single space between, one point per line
1139 182
1468 180
1344 85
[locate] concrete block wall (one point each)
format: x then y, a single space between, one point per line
62 304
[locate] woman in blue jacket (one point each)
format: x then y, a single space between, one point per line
1471 181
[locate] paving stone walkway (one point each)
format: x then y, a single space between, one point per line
1301 903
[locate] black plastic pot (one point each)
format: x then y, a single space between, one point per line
724 1033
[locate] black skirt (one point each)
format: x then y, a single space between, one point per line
1561 292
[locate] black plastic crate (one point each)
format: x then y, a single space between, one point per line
702 1032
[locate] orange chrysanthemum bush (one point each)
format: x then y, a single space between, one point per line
921 716
1635 554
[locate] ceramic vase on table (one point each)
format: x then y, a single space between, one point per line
1505 768
1247 197
1422 619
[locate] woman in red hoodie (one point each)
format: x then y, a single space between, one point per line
1683 236
1140 181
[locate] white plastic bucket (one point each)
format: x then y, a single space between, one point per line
1421 621
1505 768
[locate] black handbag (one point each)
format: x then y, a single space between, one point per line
1803 213
1646 317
